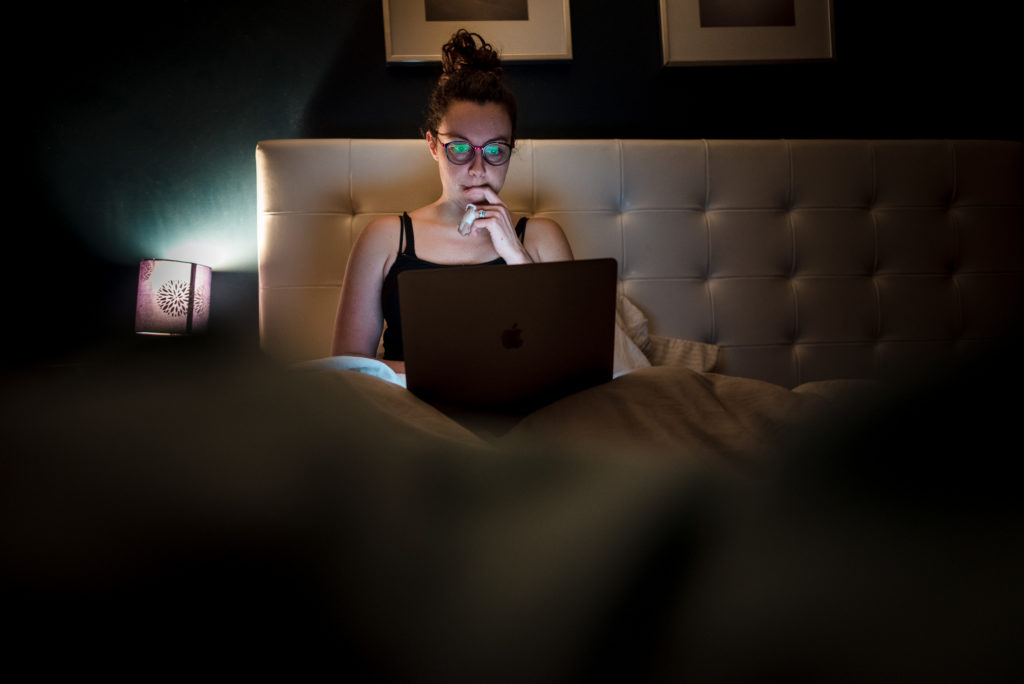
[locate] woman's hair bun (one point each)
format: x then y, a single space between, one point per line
471 72
463 51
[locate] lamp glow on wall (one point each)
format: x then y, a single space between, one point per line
173 297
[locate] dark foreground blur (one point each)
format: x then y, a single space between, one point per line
185 510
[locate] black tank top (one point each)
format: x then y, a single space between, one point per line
408 261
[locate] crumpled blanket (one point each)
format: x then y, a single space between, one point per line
656 410
678 410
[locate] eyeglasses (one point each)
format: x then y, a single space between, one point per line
462 152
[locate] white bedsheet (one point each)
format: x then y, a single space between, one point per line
359 364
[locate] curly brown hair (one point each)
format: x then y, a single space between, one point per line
470 72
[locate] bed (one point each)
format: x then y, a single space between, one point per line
703 518
759 280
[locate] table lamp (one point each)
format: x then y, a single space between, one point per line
173 297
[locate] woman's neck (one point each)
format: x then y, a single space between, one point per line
448 211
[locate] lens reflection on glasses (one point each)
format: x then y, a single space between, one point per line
462 152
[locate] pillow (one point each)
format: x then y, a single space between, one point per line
658 349
632 321
628 356
672 351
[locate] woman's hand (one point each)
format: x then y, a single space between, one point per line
495 219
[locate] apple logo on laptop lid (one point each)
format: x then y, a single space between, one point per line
512 338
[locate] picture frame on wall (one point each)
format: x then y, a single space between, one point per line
520 30
706 32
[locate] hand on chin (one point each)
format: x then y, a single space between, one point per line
476 194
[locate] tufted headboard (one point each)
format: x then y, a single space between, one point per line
803 259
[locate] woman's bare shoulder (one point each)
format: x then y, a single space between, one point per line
543 224
546 239
375 247
390 223
380 235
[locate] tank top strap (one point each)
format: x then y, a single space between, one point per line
407 237
521 228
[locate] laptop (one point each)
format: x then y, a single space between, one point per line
507 339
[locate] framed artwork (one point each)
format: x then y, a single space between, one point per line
523 30
742 32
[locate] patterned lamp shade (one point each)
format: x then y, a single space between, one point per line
173 297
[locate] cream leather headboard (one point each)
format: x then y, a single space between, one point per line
803 259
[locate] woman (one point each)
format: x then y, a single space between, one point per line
470 130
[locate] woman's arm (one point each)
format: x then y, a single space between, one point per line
360 319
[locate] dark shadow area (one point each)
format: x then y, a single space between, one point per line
178 505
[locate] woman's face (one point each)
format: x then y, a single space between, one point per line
477 124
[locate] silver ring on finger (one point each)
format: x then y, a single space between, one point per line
481 214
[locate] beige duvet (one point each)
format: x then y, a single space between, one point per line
660 410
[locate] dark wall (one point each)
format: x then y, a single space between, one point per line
140 126
898 73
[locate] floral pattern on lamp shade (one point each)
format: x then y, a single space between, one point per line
173 297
